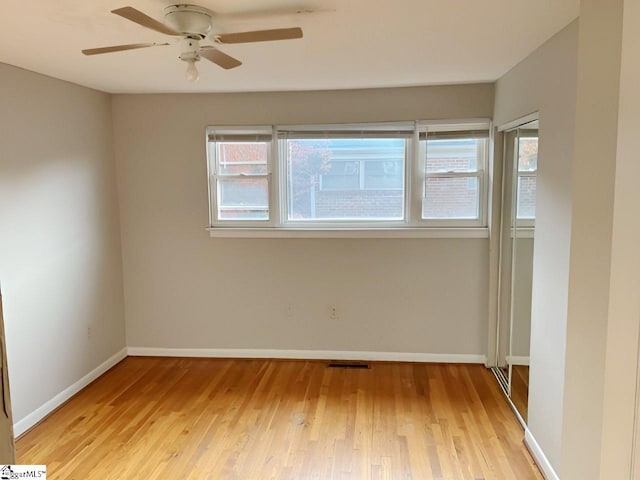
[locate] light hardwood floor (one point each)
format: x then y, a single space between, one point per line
163 418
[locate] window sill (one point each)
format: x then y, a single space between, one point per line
425 232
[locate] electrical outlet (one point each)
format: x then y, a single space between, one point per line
333 313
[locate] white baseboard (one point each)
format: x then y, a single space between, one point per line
518 360
539 457
305 355
36 416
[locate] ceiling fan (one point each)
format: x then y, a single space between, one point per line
194 24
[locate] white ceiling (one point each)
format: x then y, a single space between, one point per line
346 44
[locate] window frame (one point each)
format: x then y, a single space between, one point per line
415 176
339 223
481 173
213 176
525 222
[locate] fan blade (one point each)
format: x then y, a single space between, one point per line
261 35
121 48
140 18
219 58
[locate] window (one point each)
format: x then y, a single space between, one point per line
239 169
399 175
527 172
454 187
346 178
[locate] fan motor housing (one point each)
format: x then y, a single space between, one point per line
189 20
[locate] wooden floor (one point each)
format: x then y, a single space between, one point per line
161 418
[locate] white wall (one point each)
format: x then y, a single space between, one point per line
604 306
184 289
619 405
60 259
592 196
546 82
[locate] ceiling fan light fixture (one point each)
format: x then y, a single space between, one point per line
194 24
192 75
189 20
190 54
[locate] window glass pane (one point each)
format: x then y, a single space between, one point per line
526 197
341 175
454 155
243 198
451 197
242 157
345 178
383 174
528 154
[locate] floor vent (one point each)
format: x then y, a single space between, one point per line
339 364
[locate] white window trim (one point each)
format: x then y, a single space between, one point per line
345 232
411 226
482 172
339 223
212 175
526 223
